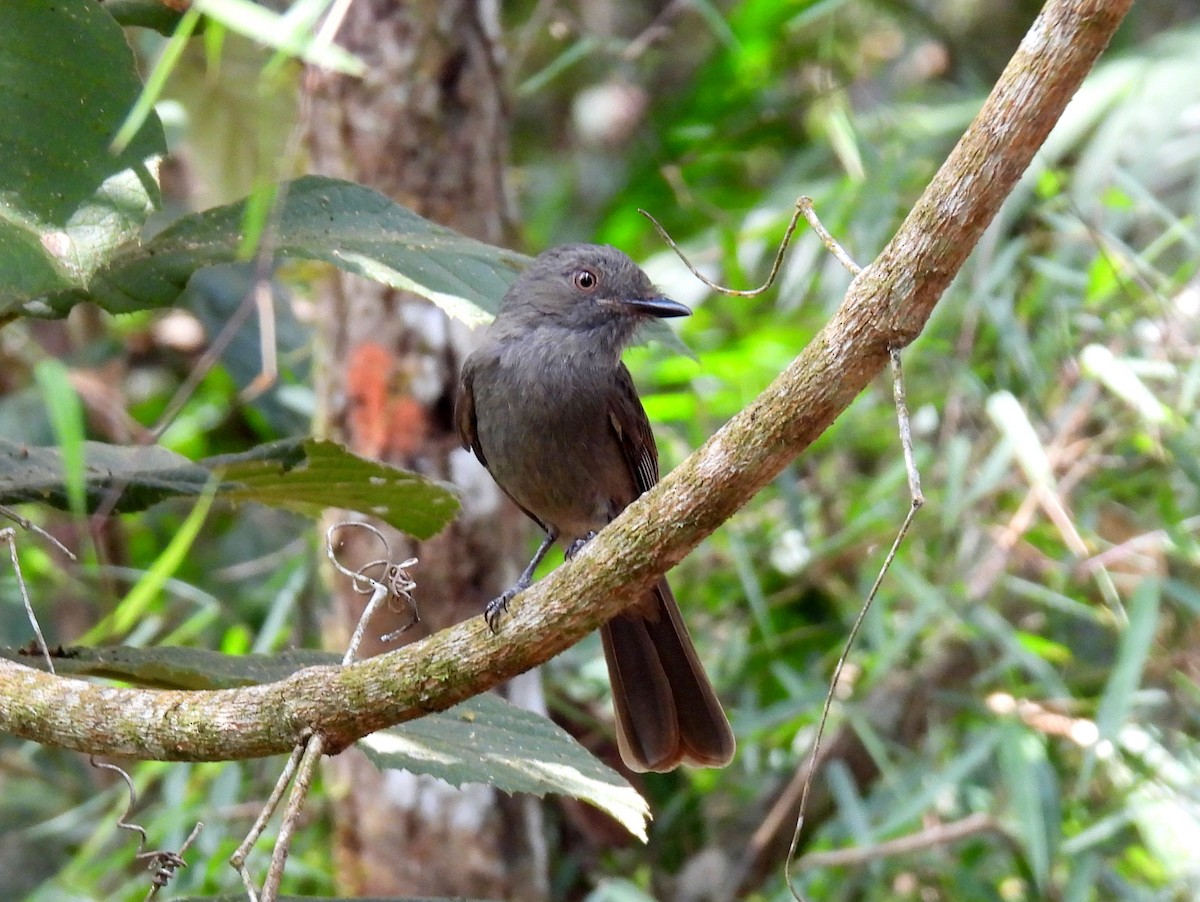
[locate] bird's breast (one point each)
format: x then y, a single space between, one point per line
544 427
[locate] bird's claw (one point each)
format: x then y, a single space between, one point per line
575 547
495 609
498 606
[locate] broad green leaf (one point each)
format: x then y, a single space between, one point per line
149 473
303 476
330 476
338 222
67 202
487 740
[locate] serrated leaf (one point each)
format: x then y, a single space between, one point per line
66 201
303 476
487 740
339 222
330 476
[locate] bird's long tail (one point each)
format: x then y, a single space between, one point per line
667 711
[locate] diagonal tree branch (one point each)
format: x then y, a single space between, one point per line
886 307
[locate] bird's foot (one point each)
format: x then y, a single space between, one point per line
575 547
498 606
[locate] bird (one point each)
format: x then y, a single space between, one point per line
547 406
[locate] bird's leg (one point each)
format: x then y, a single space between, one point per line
498 605
575 547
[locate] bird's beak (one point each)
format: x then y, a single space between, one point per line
659 307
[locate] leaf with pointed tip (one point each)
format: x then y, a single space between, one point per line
487 740
338 222
304 476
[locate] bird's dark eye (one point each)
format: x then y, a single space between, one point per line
585 279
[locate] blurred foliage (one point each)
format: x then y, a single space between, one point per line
1054 400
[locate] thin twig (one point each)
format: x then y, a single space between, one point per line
395 584
804 207
937 835
313 750
238 859
9 536
302 763
30 526
164 864
802 204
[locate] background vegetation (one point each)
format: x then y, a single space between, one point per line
1032 656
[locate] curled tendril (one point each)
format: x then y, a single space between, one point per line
163 863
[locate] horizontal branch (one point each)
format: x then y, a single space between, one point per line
886 307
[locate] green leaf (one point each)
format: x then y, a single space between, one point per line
338 222
66 201
487 740
1126 675
330 476
1034 799
303 476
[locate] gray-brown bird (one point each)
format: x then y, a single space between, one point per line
547 406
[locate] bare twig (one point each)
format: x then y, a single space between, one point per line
313 750
9 536
30 526
917 500
164 864
302 763
931 837
802 205
238 859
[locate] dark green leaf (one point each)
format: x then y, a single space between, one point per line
303 476
348 225
327 475
66 201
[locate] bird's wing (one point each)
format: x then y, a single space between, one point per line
632 428
464 413
468 431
